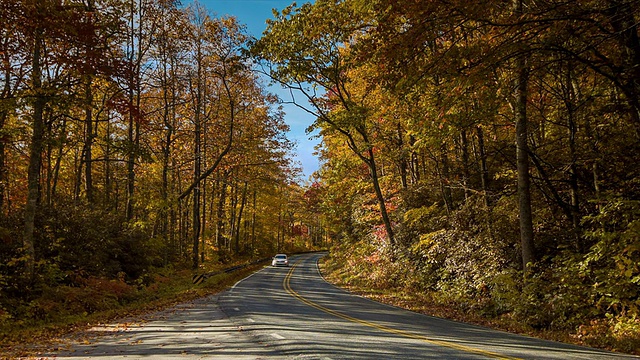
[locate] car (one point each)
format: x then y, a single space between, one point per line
280 260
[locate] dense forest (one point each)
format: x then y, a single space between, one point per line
482 152
135 136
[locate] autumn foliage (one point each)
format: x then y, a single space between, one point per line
478 156
136 139
481 154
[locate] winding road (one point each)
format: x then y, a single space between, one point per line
292 313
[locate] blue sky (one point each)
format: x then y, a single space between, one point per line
253 14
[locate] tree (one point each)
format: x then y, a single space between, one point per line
37 137
306 49
522 151
142 26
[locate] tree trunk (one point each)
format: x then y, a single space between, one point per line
88 104
243 202
402 161
484 170
4 114
3 165
168 118
220 221
572 129
522 157
131 157
232 210
108 184
35 153
465 163
173 216
204 156
280 231
444 178
414 161
197 167
626 32
88 144
135 48
253 221
78 166
381 201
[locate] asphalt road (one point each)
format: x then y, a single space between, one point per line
292 313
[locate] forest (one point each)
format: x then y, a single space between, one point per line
137 142
481 155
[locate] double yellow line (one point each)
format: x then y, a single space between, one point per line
286 283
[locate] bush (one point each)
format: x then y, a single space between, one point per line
612 264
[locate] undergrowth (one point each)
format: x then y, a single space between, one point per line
506 307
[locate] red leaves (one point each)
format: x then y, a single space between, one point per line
126 107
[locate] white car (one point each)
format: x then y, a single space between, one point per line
280 260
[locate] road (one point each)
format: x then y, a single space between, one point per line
292 313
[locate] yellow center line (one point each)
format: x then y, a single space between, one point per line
287 287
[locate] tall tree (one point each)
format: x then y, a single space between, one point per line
305 49
38 11
522 150
142 26
12 78
199 20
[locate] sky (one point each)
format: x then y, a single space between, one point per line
253 14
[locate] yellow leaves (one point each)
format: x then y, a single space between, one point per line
414 216
508 174
427 241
